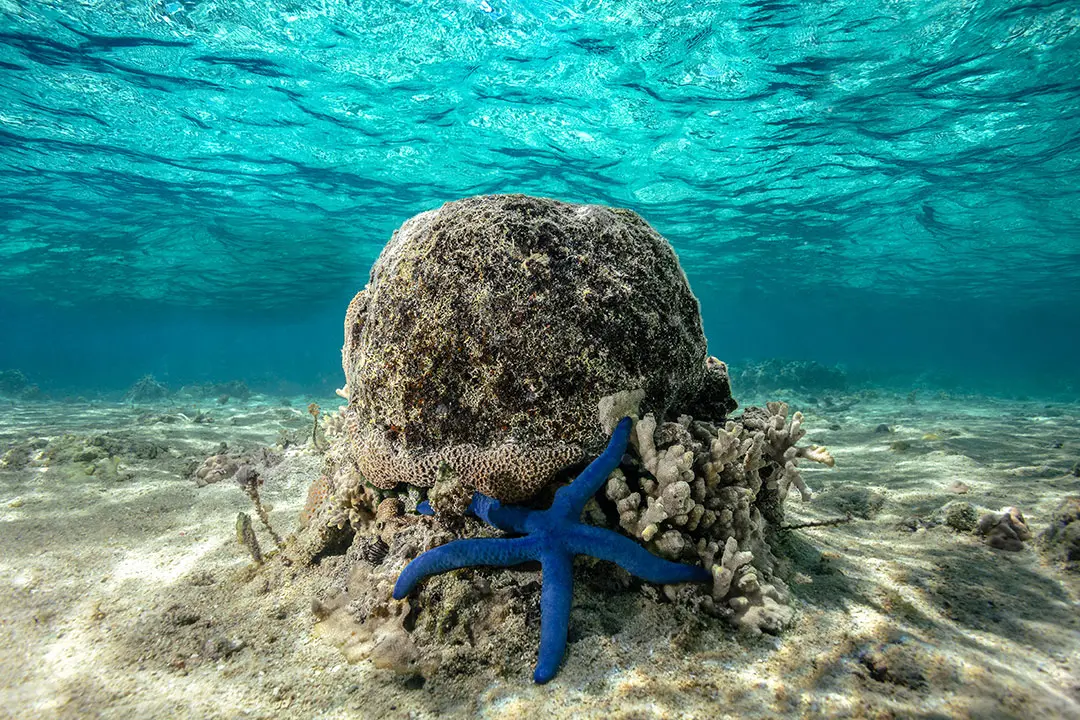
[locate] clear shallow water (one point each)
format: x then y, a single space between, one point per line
196 189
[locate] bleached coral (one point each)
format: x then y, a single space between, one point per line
712 494
334 424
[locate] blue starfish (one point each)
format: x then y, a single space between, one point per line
553 536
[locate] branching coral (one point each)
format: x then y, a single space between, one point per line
711 494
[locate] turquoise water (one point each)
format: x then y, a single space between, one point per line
196 189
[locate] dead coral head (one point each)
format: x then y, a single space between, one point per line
1061 539
492 326
215 469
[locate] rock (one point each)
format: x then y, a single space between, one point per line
492 326
1061 539
219 648
1005 530
960 516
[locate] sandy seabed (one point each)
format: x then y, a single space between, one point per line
125 594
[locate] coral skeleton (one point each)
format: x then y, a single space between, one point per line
713 494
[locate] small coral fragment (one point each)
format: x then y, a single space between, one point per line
960 515
216 468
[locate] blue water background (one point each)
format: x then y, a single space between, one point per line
196 189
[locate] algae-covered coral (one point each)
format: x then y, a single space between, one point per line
500 339
491 327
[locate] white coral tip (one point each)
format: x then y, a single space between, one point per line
818 454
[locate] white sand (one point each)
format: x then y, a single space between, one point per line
126 595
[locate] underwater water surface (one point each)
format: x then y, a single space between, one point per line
196 189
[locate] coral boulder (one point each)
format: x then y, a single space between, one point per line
492 326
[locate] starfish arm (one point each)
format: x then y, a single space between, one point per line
500 552
571 499
505 517
556 594
627 554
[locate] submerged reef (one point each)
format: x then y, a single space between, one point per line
221 392
773 374
499 342
146 389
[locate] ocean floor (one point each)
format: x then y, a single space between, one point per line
124 592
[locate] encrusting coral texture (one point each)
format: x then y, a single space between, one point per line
1004 530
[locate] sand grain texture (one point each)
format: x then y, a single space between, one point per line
124 593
